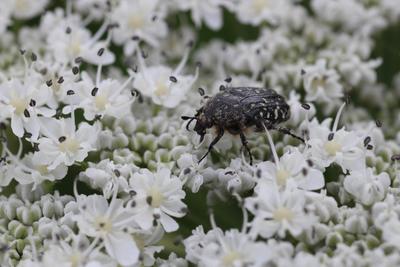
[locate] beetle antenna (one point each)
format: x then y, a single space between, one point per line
288 132
190 121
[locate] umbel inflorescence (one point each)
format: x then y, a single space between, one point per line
97 167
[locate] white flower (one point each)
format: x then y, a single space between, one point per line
256 11
26 9
326 146
207 10
30 171
105 98
158 196
278 211
191 171
104 174
297 113
165 86
366 187
141 18
358 72
64 144
293 165
231 248
22 102
385 211
321 83
68 40
78 253
99 219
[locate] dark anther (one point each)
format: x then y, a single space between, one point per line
22 51
396 157
198 64
133 204
258 173
135 38
43 71
190 43
330 136
36 147
60 80
70 92
222 88
68 30
149 199
100 52
304 171
378 123
302 72
78 60
367 140
310 163
154 18
370 147
94 91
228 79
62 139
201 91
186 171
156 216
33 57
32 103
306 106
117 173
184 210
49 83
26 113
75 70
132 193
229 173
27 135
173 79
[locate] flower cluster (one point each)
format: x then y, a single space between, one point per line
97 167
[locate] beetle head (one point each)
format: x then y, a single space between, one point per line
200 126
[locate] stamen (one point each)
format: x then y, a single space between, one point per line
335 124
272 146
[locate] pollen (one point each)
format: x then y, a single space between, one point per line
281 177
230 258
136 22
283 214
157 198
101 101
70 145
332 147
19 104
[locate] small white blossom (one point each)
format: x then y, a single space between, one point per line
99 219
278 211
321 82
165 86
366 187
64 144
159 196
142 18
208 11
293 165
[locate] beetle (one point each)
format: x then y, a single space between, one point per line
238 109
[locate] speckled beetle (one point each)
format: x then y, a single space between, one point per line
237 109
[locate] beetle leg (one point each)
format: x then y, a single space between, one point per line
288 132
216 139
244 143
